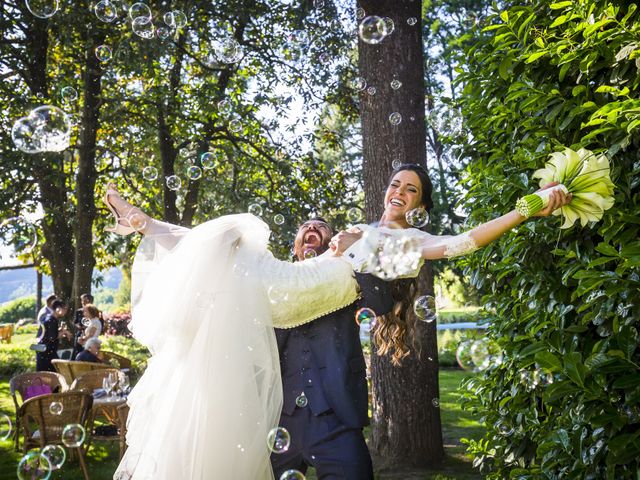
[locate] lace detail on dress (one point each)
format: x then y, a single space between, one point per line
460 245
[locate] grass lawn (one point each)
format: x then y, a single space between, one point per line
102 458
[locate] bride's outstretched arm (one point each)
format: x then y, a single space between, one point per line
482 235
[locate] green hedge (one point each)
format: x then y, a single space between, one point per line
18 309
564 305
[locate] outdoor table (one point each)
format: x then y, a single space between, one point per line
108 407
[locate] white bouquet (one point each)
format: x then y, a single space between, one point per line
584 175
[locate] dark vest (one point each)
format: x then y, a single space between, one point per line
324 359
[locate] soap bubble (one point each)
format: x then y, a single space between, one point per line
426 308
504 428
365 315
208 160
142 27
371 90
86 322
358 84
34 466
417 217
137 221
485 353
278 440
142 11
42 8
255 209
149 173
360 13
277 295
396 84
278 219
391 26
68 94
46 129
175 19
412 21
224 106
435 402
292 475
106 11
56 455
73 435
354 215
164 32
173 182
56 408
463 355
23 134
18 236
194 172
302 400
103 53
235 126
309 253
397 163
395 118
372 30
6 427
228 50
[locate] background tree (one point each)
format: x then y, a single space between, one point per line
406 418
563 304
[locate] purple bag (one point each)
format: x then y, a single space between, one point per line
35 390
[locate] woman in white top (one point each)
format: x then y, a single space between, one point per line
91 322
205 302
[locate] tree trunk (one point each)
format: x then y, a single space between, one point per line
406 425
86 178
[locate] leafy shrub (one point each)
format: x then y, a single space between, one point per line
16 359
565 403
18 309
130 348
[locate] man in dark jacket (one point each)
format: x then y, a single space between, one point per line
324 379
49 335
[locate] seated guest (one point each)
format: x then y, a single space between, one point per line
90 352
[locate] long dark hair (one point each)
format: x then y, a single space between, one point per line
394 331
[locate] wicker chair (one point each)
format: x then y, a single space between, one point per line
114 360
42 428
18 387
89 381
6 332
71 369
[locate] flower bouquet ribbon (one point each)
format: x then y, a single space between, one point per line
583 174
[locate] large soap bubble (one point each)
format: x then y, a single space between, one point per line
372 30
42 8
228 50
45 129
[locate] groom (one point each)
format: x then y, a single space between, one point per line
324 379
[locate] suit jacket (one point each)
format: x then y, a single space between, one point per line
48 333
324 359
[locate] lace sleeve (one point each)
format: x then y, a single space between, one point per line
303 291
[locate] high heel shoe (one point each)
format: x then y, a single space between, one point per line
122 224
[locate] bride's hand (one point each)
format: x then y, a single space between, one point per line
557 199
344 239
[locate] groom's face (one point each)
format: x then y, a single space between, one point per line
312 235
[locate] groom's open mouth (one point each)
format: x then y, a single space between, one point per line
312 238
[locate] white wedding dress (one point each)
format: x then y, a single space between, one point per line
205 302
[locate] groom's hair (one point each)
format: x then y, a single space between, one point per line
317 219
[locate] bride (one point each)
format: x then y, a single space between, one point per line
205 301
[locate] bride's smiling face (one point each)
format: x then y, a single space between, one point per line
404 193
312 235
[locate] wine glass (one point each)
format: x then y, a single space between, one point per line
113 378
108 385
124 383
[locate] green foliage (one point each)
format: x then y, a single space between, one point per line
18 309
130 348
566 401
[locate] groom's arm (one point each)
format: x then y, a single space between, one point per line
375 293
